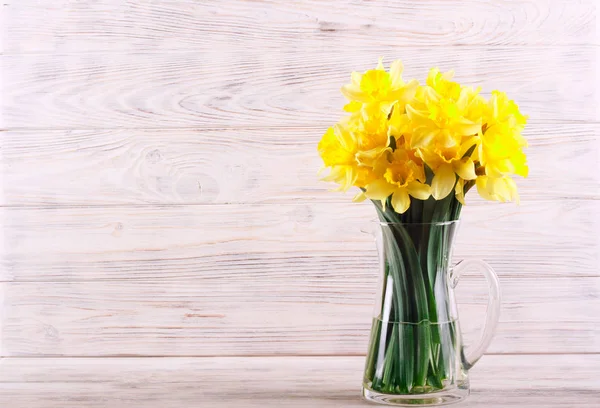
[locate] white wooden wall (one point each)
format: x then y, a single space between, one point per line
165 238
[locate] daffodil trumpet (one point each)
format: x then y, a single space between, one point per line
415 150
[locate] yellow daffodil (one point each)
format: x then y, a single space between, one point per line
459 190
446 163
497 188
370 127
501 109
467 100
501 148
442 85
500 152
442 117
380 87
400 125
396 129
352 147
402 178
337 149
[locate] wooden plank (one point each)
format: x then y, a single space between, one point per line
110 25
235 86
553 238
237 315
107 167
496 382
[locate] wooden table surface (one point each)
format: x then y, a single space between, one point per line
167 243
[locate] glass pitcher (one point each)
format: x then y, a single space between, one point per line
415 354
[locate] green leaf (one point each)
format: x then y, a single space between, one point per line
393 143
371 363
390 357
420 354
406 356
470 151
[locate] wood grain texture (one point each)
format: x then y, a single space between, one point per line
295 382
108 167
553 238
109 25
158 197
235 86
238 315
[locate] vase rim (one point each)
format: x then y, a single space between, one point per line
439 223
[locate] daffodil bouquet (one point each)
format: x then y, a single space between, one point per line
415 151
404 140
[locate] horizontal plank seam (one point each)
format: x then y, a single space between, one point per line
253 127
584 44
184 280
240 203
124 356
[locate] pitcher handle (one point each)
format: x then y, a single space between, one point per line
493 307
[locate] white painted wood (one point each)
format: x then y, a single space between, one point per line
109 25
296 382
239 315
158 198
234 86
99 167
535 239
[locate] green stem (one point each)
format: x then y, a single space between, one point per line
417 356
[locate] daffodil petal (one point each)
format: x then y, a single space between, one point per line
400 201
396 74
448 75
353 93
466 127
423 136
369 157
359 197
466 144
446 138
353 106
343 137
432 76
351 176
379 190
505 189
465 168
431 95
335 173
419 190
443 181
463 99
412 87
482 189
459 192
522 170
433 160
414 114
404 94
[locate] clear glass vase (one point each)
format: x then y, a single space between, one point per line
415 354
